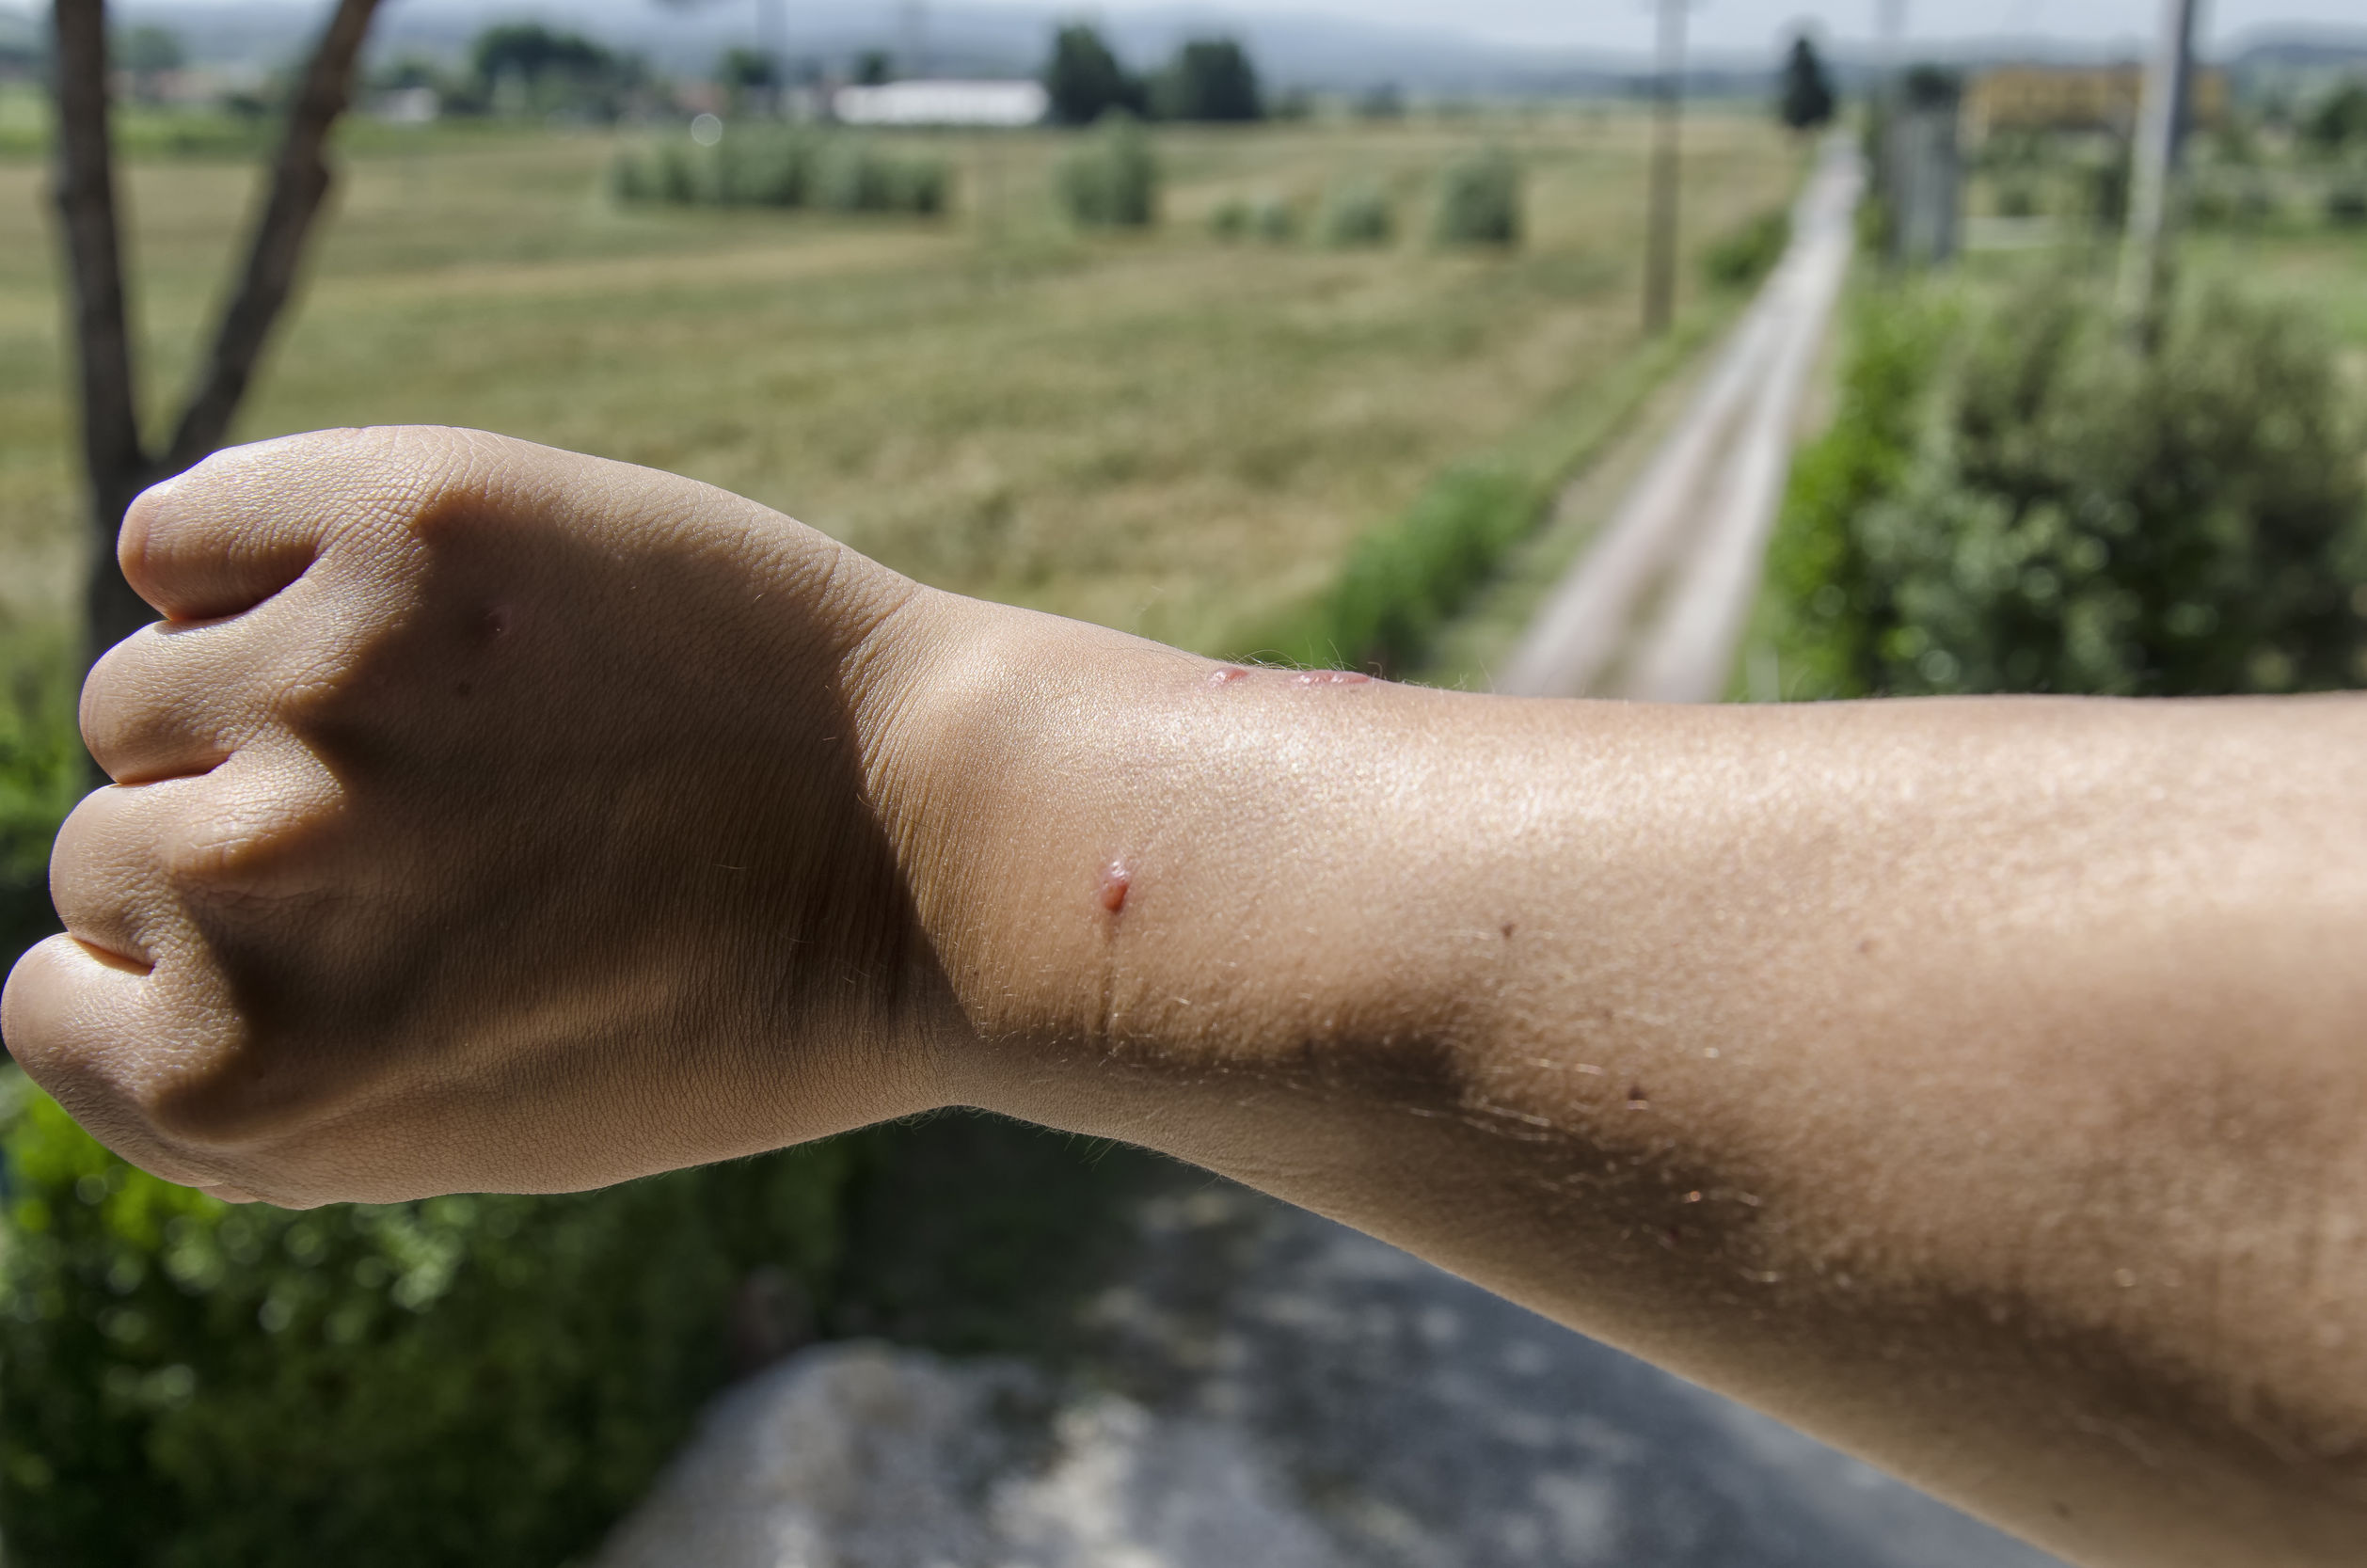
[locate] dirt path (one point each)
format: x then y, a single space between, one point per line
1655 607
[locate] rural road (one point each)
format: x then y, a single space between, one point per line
1655 607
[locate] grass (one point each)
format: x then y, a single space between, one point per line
1161 433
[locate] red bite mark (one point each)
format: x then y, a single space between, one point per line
1227 675
1330 678
1115 880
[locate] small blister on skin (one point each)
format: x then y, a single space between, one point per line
1330 678
1227 675
1115 880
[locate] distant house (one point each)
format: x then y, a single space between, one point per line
409 105
2065 98
941 103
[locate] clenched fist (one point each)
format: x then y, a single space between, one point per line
484 817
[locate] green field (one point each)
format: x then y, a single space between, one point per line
1164 432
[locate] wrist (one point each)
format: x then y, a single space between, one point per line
983 732
1154 881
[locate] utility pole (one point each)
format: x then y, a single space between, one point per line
1659 256
2145 253
1890 24
772 43
915 62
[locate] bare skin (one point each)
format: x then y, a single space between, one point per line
1980 1085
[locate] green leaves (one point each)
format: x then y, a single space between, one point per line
185 1381
2053 512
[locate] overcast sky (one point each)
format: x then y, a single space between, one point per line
1626 25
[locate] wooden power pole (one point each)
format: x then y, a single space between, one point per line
1660 257
2146 252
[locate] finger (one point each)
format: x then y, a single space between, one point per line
84 1027
239 527
173 699
107 870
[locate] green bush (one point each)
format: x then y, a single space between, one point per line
41 777
2075 517
1749 253
1112 182
1479 200
1359 213
186 1383
1271 218
834 173
1819 596
1401 582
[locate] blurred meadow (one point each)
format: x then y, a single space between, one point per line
1166 430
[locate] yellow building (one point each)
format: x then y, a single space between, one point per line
2058 98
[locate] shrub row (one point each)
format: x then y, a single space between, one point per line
829 173
1112 182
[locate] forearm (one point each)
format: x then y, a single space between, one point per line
1979 1085
1974 1084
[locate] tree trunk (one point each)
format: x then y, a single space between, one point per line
113 459
117 464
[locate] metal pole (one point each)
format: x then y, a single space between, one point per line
1660 263
2145 253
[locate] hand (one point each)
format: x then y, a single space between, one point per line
486 817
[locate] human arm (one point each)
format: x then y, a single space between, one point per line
1976 1084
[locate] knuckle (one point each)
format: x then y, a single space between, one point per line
29 1005
83 840
118 697
152 1097
203 850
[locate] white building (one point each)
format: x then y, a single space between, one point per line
941 103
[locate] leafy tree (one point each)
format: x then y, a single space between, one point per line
2341 121
145 50
747 68
1805 101
874 68
531 51
1212 80
1084 79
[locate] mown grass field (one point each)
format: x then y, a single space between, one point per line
1164 432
